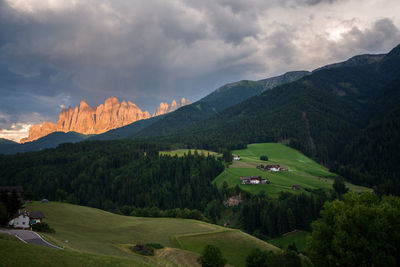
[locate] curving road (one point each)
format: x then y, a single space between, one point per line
28 236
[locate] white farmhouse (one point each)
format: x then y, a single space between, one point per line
255 180
26 219
21 220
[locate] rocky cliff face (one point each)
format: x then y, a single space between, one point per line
95 120
165 108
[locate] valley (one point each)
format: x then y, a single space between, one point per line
251 171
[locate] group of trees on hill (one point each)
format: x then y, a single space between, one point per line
109 175
360 230
265 217
10 203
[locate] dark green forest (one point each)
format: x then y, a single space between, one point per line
111 174
264 217
131 178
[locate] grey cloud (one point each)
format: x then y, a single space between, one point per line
152 51
382 36
137 52
316 2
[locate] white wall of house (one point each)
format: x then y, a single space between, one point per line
22 221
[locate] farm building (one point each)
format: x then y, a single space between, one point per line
272 168
296 187
253 180
26 219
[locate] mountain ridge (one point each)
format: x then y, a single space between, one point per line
89 120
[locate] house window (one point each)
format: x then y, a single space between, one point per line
23 222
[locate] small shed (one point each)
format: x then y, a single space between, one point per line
296 187
35 217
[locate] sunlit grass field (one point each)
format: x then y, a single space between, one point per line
297 237
228 242
182 152
302 170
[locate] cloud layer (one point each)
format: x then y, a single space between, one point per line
55 52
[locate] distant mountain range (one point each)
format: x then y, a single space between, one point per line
86 120
83 118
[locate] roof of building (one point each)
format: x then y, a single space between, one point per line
36 215
31 214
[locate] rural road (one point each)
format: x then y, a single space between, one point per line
27 236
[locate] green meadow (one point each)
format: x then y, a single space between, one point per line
228 241
181 152
12 249
303 171
97 232
299 238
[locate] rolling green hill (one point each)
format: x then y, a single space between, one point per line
95 231
11 250
302 171
299 238
182 152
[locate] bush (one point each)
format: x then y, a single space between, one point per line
155 245
211 257
42 227
264 158
143 250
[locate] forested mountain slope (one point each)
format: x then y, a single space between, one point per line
320 114
225 96
48 141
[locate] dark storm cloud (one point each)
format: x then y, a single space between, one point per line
53 53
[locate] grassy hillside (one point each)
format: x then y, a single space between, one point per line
302 170
95 231
181 152
11 250
228 241
297 237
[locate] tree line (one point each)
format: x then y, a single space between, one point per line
112 174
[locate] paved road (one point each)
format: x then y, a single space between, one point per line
27 236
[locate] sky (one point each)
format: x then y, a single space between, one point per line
53 53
